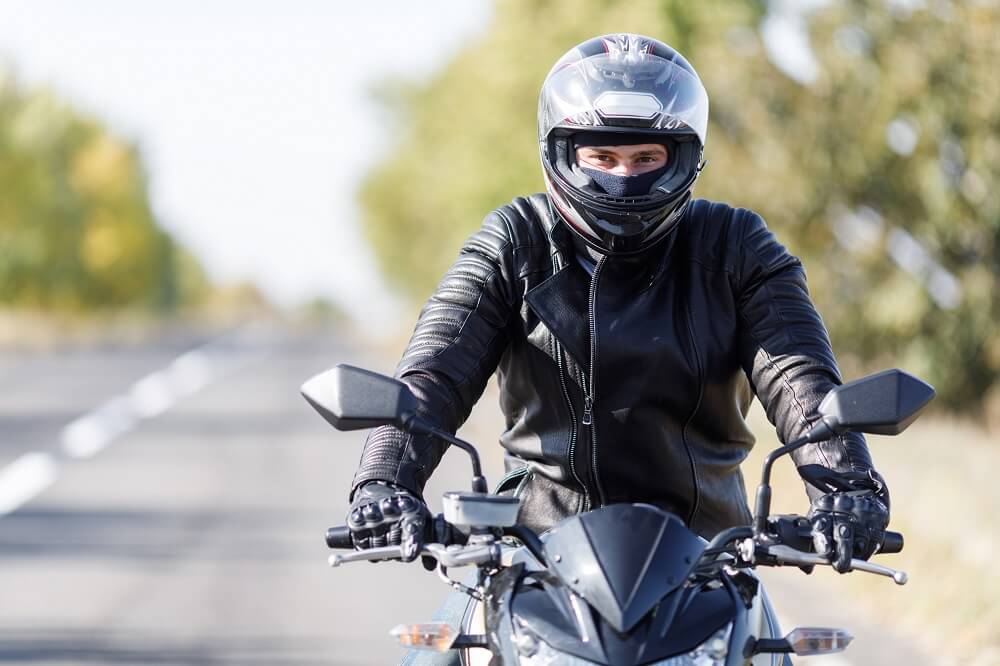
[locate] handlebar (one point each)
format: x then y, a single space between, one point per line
893 543
339 537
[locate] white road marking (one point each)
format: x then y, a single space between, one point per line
190 372
90 433
84 437
24 478
151 395
147 398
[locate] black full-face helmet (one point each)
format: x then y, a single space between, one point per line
631 88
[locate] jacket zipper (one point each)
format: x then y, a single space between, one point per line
556 266
572 431
588 401
697 406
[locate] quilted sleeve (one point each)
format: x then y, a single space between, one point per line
784 346
459 338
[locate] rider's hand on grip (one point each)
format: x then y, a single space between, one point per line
383 514
847 525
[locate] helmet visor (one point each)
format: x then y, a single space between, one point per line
623 90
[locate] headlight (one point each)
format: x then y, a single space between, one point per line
546 656
710 653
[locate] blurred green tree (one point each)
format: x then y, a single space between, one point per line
878 171
76 230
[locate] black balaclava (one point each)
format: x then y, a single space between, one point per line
624 186
611 184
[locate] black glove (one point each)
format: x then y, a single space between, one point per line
848 524
383 514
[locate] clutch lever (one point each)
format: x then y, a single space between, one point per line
787 555
369 555
453 556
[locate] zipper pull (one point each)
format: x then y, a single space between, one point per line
588 410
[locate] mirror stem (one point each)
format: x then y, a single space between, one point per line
762 508
478 480
419 426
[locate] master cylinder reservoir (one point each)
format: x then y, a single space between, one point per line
467 510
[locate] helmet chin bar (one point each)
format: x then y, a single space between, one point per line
614 245
652 240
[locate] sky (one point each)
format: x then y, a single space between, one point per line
254 118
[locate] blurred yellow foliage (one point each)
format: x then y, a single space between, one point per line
102 168
76 230
102 244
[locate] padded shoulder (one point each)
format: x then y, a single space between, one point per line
527 222
714 232
528 218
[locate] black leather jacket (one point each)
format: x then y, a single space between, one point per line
630 384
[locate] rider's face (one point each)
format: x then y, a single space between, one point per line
623 160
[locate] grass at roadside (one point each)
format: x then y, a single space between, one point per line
222 308
945 498
43 332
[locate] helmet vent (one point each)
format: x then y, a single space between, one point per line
621 104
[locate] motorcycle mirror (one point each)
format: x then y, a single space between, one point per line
881 404
351 398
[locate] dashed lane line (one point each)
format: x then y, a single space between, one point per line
147 398
24 478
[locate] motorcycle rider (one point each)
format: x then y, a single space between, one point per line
629 325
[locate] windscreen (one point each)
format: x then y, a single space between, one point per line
623 558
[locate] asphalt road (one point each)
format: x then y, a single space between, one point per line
178 509
196 536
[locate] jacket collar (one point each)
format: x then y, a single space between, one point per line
560 301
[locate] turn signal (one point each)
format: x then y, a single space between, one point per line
818 640
436 636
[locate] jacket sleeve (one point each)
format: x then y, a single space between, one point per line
461 333
785 349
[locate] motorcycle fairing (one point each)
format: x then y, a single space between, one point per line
623 559
499 621
684 619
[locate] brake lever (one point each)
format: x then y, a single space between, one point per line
787 555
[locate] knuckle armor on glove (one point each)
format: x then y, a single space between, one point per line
847 525
383 514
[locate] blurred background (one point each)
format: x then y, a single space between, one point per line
202 205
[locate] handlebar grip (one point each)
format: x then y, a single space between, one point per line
892 543
340 537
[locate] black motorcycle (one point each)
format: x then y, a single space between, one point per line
625 584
